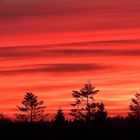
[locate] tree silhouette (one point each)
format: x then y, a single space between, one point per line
135 107
21 117
59 117
101 113
4 118
85 103
33 108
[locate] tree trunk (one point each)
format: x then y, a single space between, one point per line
31 115
88 109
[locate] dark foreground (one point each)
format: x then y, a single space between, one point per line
117 128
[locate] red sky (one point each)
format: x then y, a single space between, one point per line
52 47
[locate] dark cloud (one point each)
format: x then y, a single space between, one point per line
104 42
52 17
19 10
55 8
67 50
53 68
107 52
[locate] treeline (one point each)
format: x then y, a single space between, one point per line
90 119
111 128
84 108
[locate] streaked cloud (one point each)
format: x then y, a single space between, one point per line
82 40
57 68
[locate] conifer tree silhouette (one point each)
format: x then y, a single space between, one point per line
59 117
85 105
32 108
135 107
101 113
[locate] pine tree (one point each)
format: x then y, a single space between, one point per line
59 117
135 107
85 105
32 108
101 113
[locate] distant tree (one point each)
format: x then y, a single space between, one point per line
85 105
59 117
22 117
135 107
32 109
101 113
4 118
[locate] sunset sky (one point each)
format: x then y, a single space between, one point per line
51 47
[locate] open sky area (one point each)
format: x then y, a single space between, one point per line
51 47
